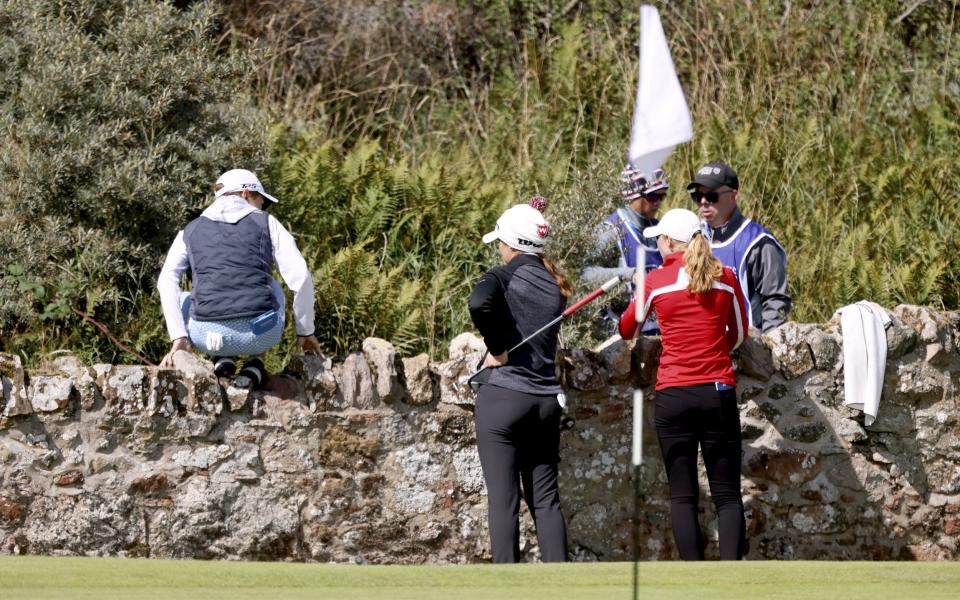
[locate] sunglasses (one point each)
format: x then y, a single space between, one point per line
655 197
711 197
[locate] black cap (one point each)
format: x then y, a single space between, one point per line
715 174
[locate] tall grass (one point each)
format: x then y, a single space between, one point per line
842 121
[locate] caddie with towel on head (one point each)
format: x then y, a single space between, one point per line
517 410
236 307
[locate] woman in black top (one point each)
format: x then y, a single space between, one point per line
517 410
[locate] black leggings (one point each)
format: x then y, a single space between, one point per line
701 415
518 438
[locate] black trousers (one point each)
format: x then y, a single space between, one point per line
518 438
705 417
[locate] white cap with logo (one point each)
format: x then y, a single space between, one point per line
239 180
522 227
677 224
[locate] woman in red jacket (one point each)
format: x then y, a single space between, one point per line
702 317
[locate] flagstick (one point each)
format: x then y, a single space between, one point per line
638 303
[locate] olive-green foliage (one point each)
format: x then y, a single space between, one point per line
842 119
395 248
116 117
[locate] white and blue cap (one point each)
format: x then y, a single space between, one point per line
240 180
522 227
677 224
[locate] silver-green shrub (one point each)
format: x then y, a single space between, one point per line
116 118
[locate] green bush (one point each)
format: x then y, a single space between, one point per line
117 116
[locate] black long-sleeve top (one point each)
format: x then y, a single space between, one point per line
509 303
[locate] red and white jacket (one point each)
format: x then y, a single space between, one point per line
698 330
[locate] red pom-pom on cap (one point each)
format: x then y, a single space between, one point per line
540 203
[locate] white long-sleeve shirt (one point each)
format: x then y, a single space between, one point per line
293 268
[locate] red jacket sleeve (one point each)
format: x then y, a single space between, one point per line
628 320
737 321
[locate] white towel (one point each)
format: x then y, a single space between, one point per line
863 325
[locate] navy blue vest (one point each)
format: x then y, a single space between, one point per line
733 253
630 238
232 265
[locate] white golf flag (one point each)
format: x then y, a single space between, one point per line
661 119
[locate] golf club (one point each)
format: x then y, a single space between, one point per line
603 289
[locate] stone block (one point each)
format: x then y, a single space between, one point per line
11 511
938 331
356 382
290 414
168 394
754 358
68 478
15 401
84 380
901 338
386 368
204 393
319 382
583 370
51 393
826 349
850 430
125 388
464 345
423 381
466 464
454 373
781 466
790 348
805 433
917 383
202 457
619 359
822 389
237 398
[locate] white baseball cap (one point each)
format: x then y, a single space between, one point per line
238 180
522 227
677 224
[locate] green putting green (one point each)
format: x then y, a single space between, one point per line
135 579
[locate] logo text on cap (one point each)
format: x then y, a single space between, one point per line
523 242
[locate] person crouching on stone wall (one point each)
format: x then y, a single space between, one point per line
236 307
517 409
703 317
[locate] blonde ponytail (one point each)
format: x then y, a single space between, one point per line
565 288
703 268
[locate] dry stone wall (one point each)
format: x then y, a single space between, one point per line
372 457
